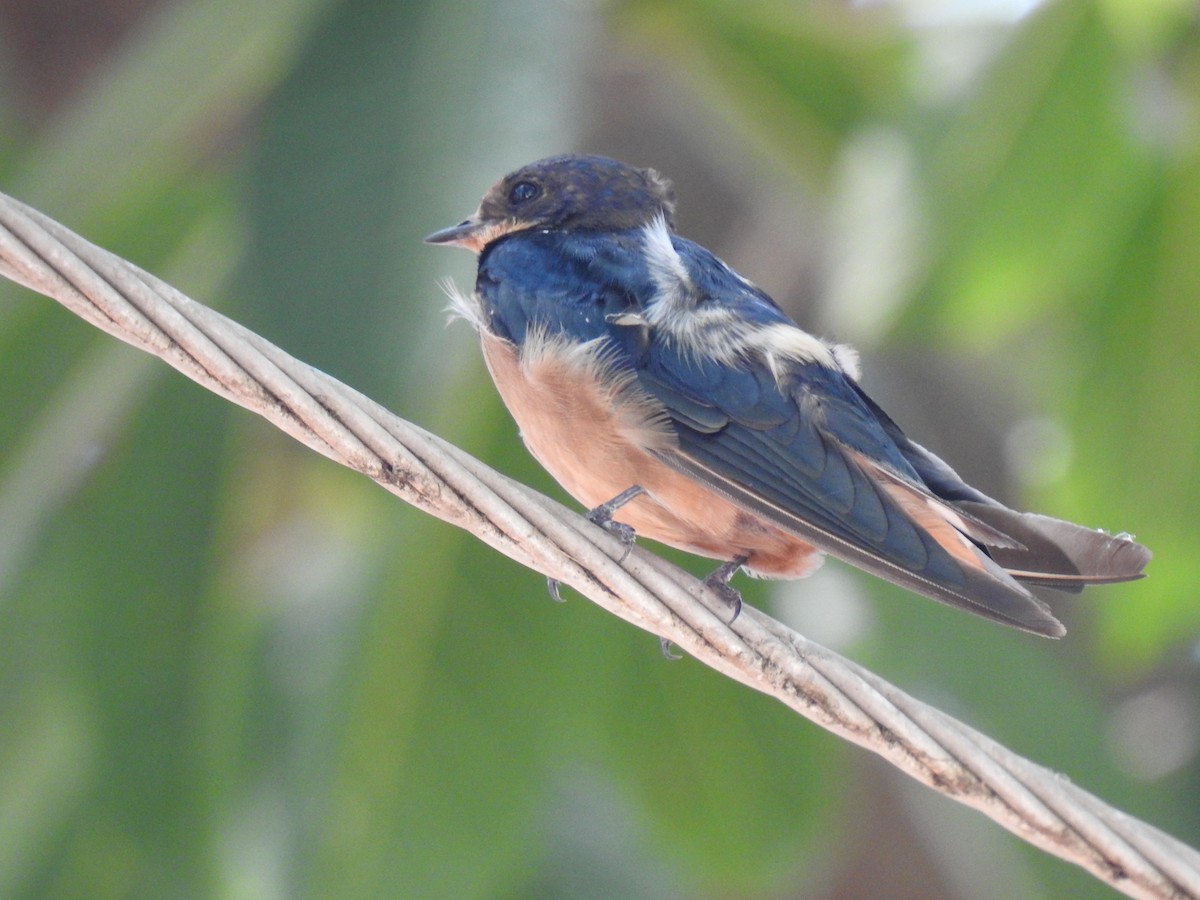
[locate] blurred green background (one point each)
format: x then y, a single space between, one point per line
229 668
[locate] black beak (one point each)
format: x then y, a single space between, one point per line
456 234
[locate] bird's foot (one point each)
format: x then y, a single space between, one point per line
719 582
602 515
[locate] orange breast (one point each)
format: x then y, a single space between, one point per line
592 428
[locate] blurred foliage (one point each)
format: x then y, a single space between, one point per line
228 668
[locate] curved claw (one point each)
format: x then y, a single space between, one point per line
552 587
665 645
718 580
625 534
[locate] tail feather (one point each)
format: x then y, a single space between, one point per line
1059 554
1001 553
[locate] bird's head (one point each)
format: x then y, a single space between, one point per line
564 192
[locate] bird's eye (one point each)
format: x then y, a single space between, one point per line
522 192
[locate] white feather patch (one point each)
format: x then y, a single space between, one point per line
847 359
463 305
666 267
787 342
706 330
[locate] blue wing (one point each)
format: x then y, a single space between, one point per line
811 457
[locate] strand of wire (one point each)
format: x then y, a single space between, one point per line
1038 805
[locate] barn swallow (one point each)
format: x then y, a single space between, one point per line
641 369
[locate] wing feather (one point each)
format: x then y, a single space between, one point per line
816 462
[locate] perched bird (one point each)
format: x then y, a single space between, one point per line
646 374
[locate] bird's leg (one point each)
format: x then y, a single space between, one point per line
602 515
719 582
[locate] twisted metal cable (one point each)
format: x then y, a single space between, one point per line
1036 804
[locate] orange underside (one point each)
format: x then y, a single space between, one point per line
594 441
